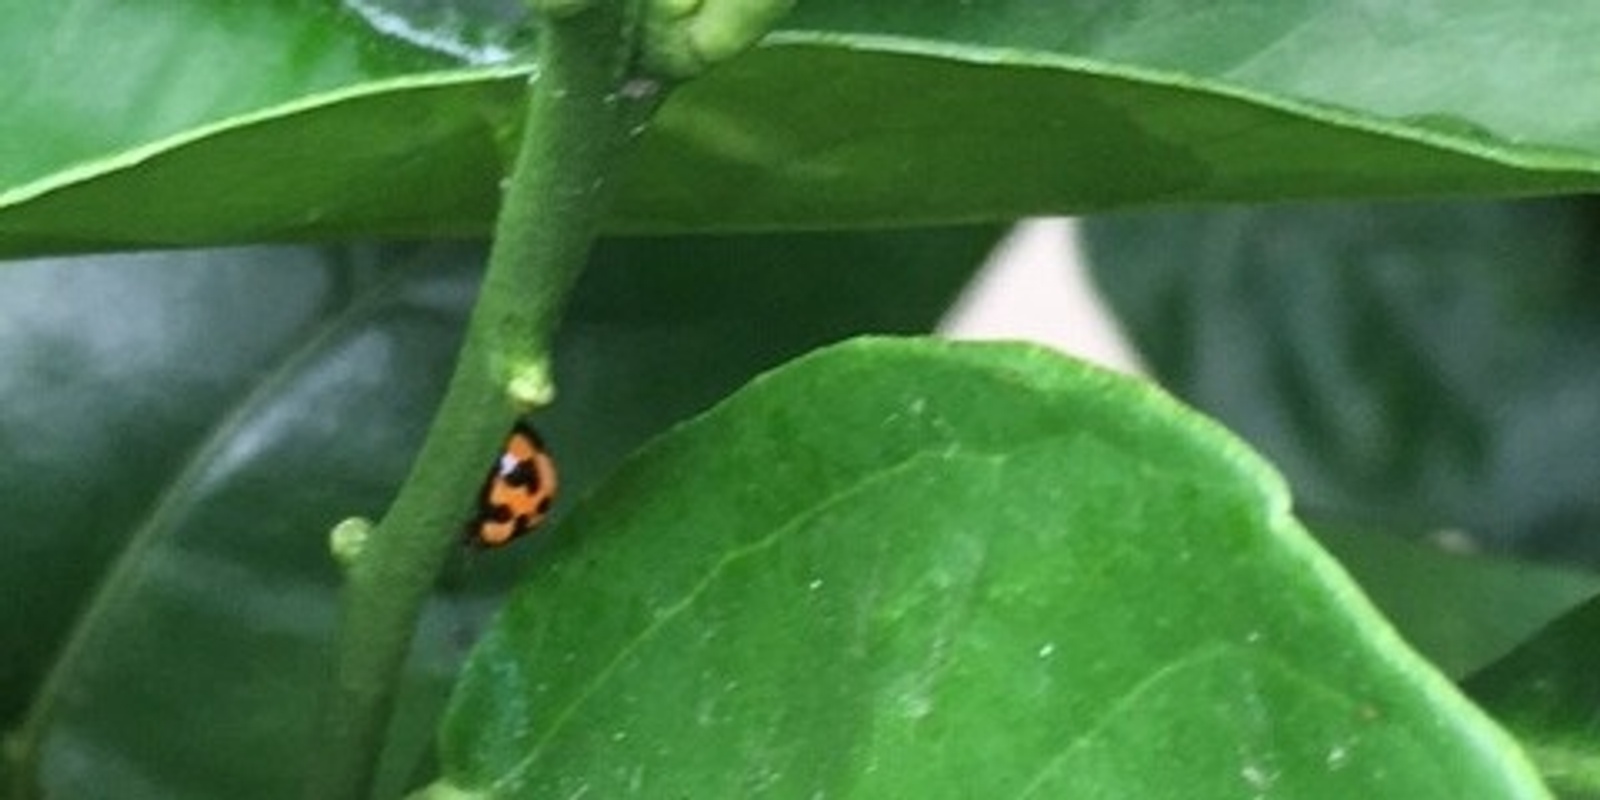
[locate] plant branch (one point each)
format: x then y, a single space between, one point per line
578 118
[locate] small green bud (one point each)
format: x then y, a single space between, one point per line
530 387
348 539
683 38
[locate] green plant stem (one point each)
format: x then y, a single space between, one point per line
578 118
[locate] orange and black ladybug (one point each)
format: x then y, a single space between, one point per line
518 492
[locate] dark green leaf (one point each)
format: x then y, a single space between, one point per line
1548 691
931 570
291 120
1461 611
115 371
201 421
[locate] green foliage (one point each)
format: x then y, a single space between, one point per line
280 390
892 568
1005 574
857 114
1417 370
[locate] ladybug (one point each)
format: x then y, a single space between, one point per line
518 491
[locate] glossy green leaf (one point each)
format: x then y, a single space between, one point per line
1548 691
1420 367
853 114
204 417
192 427
915 131
902 568
88 79
106 391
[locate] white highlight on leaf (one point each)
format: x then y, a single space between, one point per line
450 43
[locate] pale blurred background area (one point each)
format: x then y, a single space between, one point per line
1036 287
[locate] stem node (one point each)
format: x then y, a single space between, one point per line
530 387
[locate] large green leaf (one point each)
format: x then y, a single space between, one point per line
910 569
1411 367
201 419
853 114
